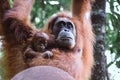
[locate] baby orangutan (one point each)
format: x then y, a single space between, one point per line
37 46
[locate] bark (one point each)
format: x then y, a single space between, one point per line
99 22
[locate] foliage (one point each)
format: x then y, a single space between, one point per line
43 9
113 30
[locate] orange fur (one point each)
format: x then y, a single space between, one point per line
78 62
16 30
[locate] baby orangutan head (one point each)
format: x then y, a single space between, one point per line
39 41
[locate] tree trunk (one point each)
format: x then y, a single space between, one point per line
99 21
